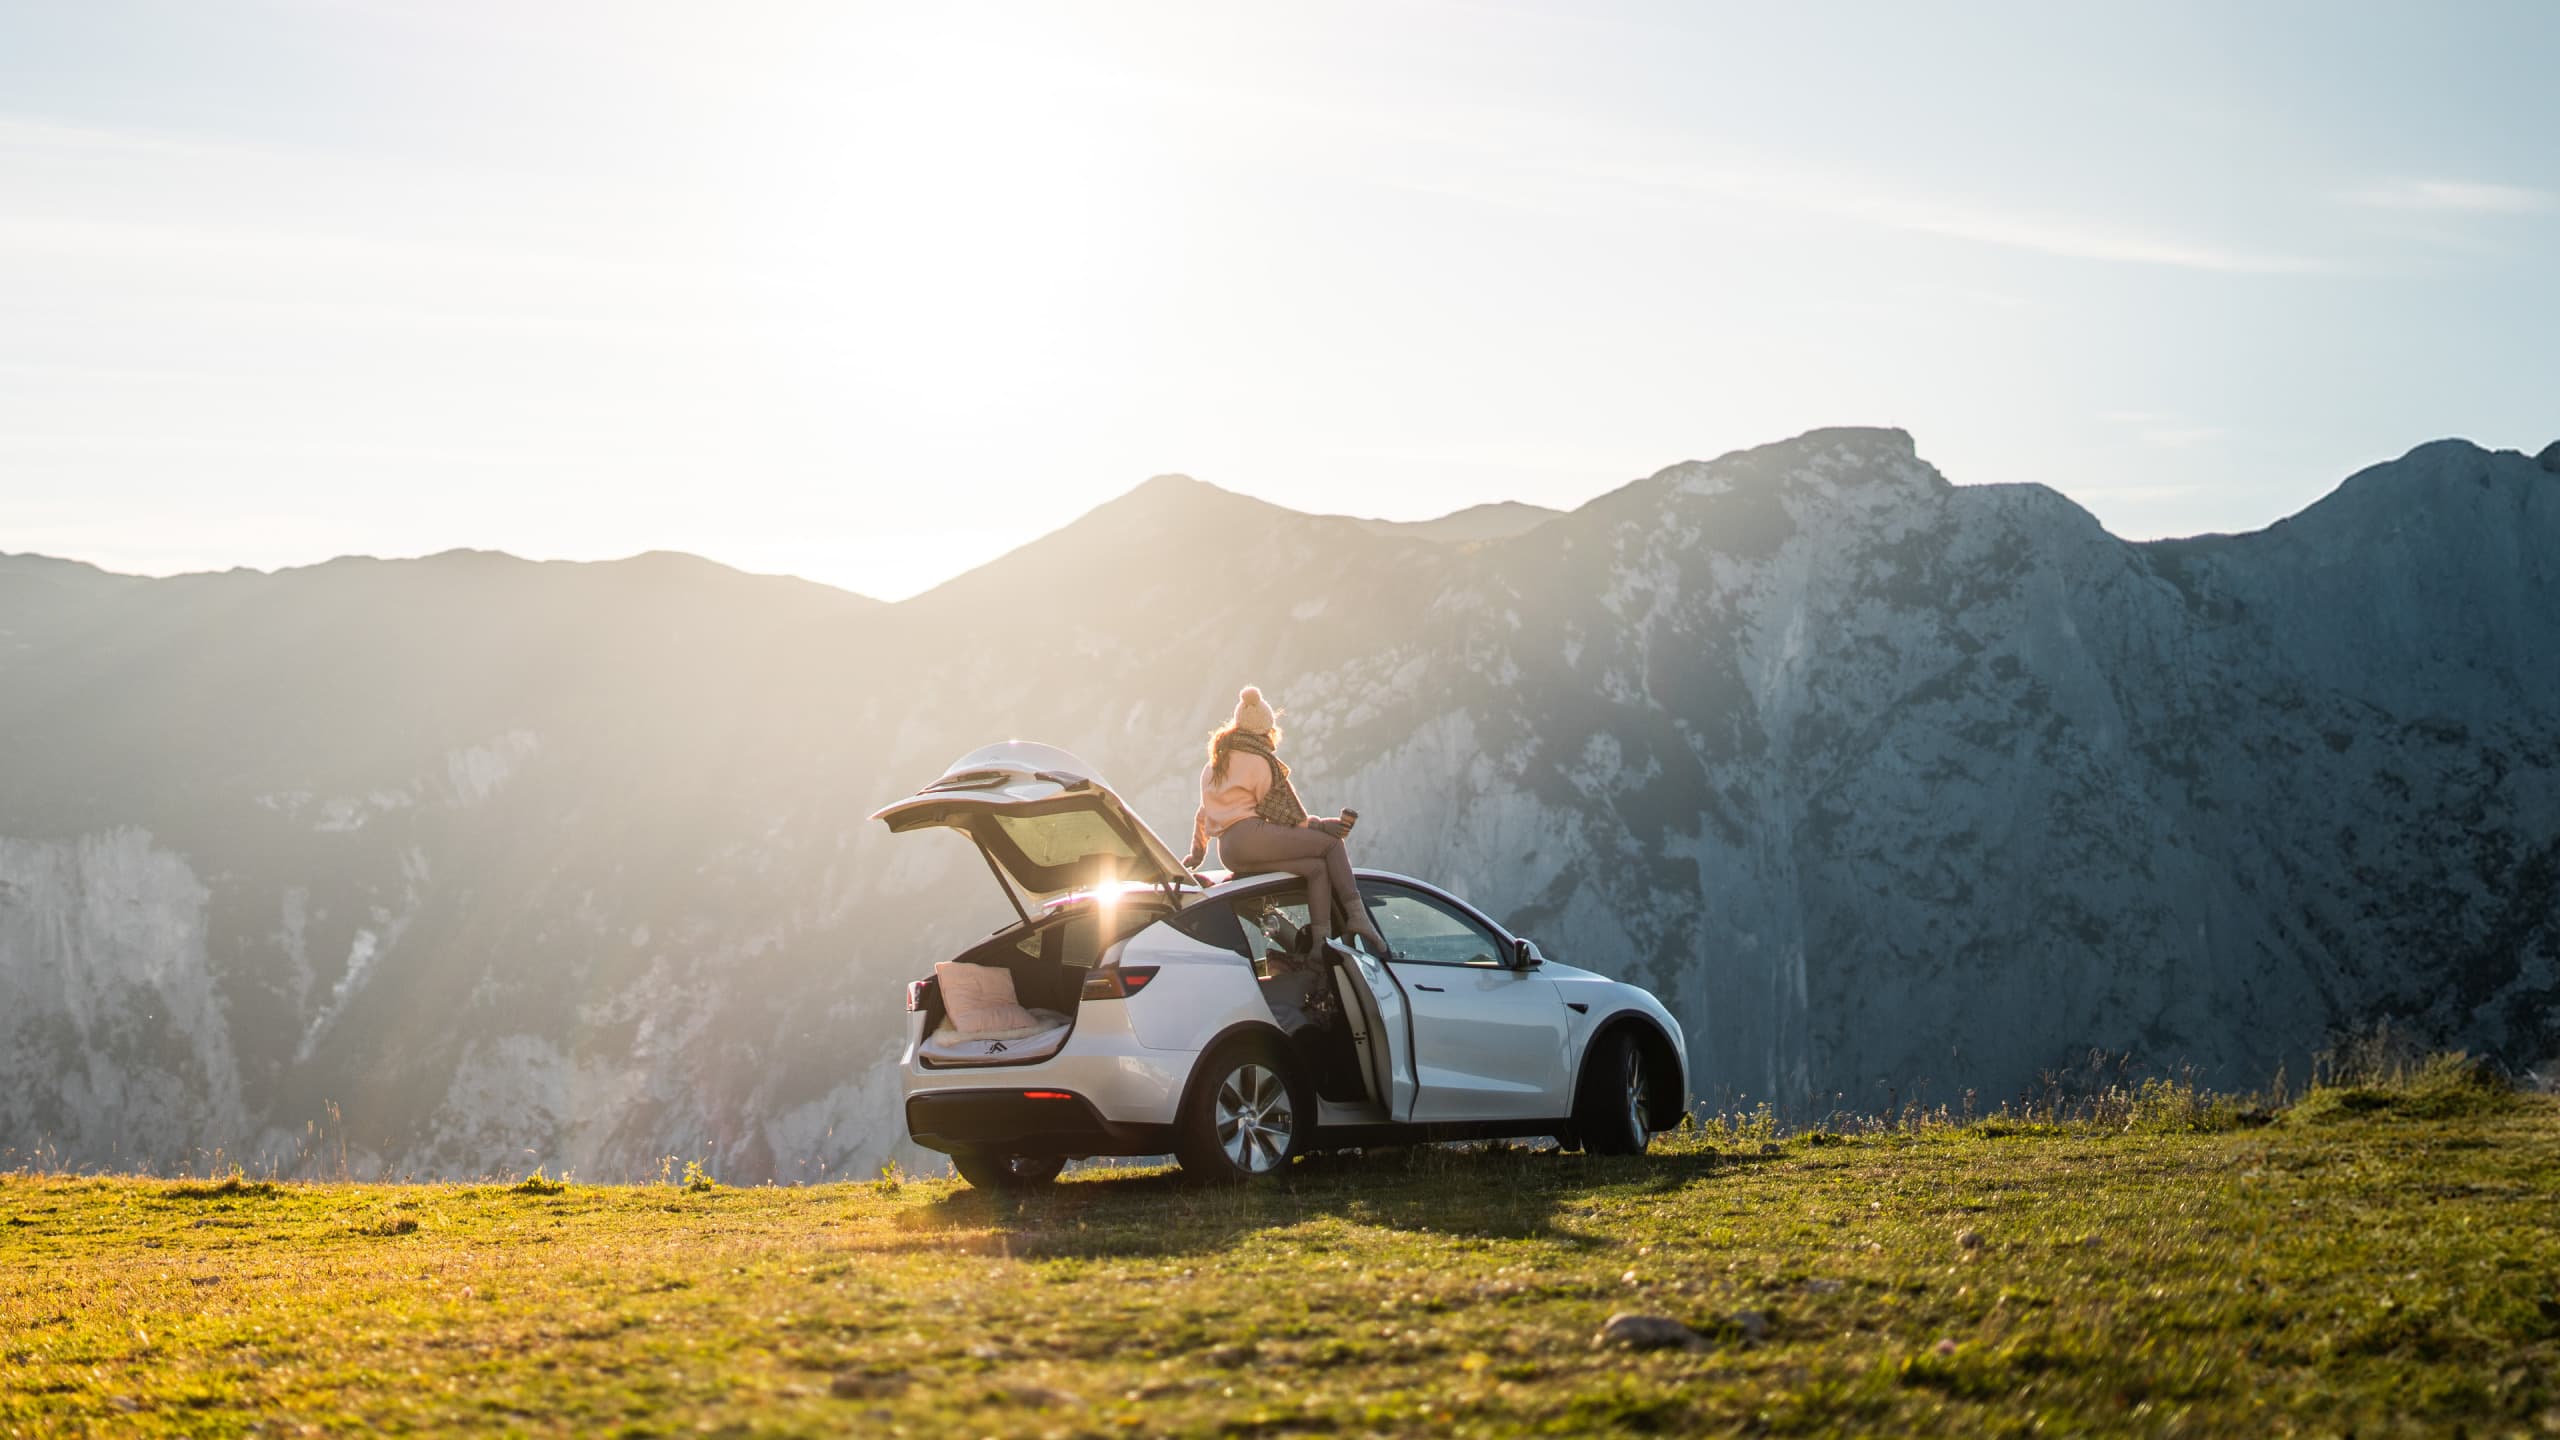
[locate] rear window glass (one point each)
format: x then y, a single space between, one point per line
1211 922
1069 836
1084 931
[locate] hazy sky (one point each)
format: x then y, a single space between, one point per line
871 294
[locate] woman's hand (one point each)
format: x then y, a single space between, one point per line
1193 860
1330 826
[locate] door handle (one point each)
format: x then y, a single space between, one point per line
1434 989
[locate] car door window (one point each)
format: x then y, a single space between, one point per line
1428 931
1272 922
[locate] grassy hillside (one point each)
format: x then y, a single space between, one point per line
2379 1261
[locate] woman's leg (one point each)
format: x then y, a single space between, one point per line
1319 906
1253 847
1337 860
1265 846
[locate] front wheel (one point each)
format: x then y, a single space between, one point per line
1611 1112
1247 1118
1006 1172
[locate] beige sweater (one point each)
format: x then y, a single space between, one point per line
1248 780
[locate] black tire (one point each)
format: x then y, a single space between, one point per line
988 1171
1611 1109
1248 1115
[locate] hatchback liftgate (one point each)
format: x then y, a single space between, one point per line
1046 823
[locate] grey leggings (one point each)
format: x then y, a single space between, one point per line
1254 847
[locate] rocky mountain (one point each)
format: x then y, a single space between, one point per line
1888 785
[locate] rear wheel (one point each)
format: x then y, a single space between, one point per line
1248 1116
1006 1172
1612 1112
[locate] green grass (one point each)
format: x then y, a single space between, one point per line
2356 1265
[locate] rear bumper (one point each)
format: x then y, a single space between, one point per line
1026 1122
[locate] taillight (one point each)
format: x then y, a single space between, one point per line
1117 982
915 994
1046 1095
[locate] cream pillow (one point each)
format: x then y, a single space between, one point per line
980 998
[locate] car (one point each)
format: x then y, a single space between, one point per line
1190 1014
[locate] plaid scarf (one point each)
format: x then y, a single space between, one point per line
1280 805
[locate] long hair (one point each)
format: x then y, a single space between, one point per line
1222 744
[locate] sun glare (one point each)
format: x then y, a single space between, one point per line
938 233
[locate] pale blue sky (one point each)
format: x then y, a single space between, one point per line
871 294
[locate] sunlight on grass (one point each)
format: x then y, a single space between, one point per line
2190 1263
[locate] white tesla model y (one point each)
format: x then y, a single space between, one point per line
1136 1008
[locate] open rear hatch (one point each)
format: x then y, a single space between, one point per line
1055 837
1045 821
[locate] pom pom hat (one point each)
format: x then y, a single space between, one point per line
1253 713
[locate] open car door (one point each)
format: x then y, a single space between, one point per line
1045 821
1384 1015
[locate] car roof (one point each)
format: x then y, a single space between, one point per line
1235 882
1185 896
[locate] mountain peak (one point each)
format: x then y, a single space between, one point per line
1180 500
1885 439
1838 458
2428 475
1831 445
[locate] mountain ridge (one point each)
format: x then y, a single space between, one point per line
1512 517
1876 779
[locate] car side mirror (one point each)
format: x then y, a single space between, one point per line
1524 954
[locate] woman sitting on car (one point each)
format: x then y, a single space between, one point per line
1249 807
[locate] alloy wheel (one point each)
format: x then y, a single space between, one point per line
1636 1125
1255 1124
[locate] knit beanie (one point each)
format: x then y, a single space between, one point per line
1252 713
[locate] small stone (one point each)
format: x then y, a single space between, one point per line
1970 1239
1631 1331
855 1385
1823 1287
1945 1346
1753 1324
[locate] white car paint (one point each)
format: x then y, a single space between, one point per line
1490 1043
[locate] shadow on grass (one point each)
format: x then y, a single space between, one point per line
1499 1194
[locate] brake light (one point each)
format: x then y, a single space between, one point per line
1117 982
915 994
1046 1095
